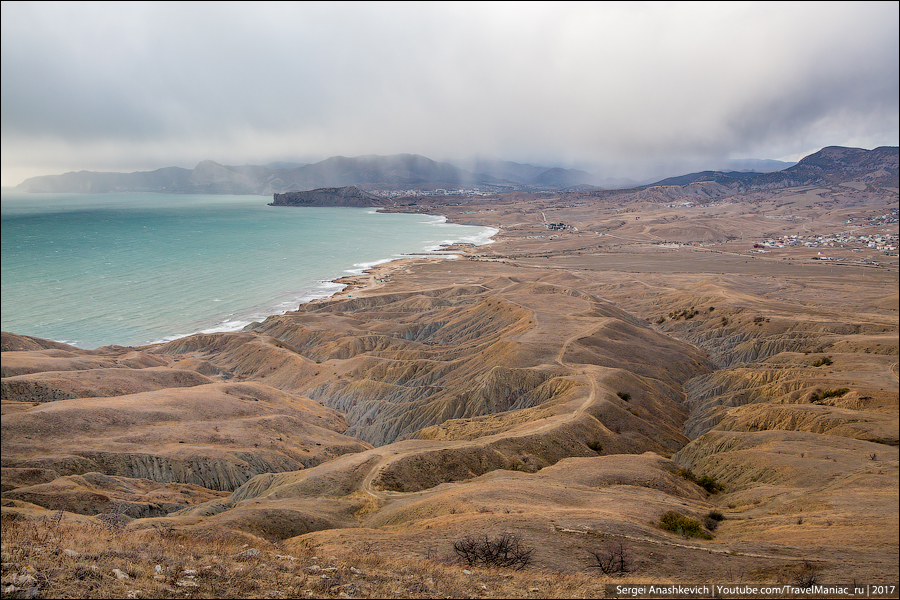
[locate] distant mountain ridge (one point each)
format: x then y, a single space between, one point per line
373 172
837 164
831 165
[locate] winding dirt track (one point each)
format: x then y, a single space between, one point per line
532 428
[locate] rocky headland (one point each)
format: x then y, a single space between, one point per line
343 196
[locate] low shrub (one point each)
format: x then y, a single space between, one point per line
818 395
687 474
706 482
712 520
595 446
684 526
710 484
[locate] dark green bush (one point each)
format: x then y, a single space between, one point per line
682 525
709 484
711 521
687 474
706 482
817 396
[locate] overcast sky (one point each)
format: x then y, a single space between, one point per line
629 89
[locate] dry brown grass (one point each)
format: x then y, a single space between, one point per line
46 558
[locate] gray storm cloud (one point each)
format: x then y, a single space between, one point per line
618 88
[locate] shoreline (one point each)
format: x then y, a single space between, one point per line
377 276
328 278
372 279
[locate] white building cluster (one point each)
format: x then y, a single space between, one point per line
880 242
467 192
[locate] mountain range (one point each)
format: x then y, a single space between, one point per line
412 171
370 172
829 166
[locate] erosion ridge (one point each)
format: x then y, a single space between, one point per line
571 385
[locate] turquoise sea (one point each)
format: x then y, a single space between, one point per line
132 269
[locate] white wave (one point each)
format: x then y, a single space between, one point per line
359 268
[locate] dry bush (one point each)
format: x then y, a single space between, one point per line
505 551
613 559
807 575
114 519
